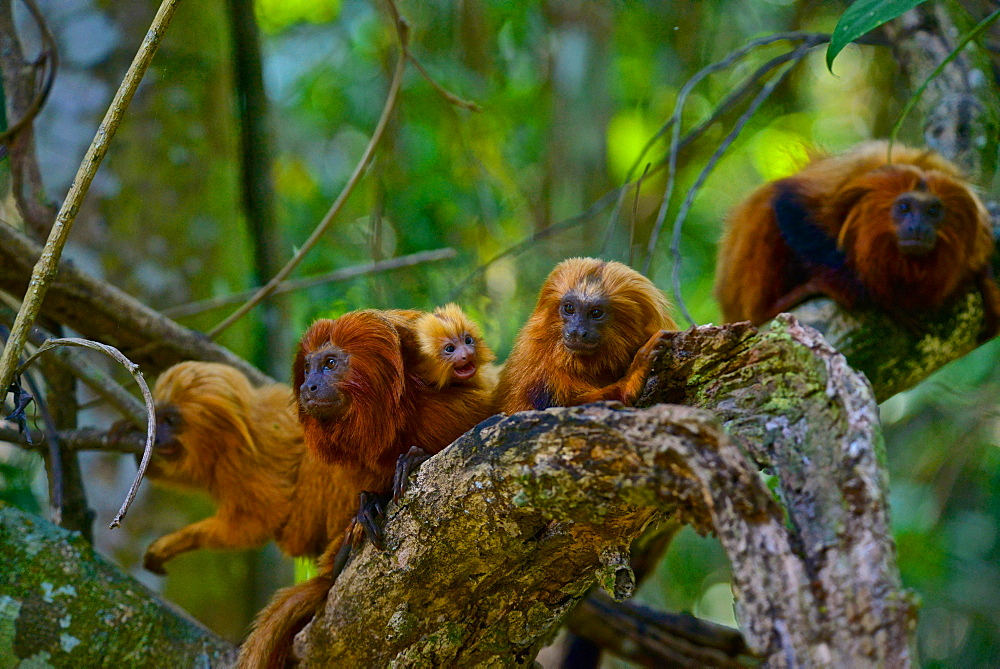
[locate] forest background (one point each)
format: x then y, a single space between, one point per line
570 93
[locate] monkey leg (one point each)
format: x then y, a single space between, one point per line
214 532
406 464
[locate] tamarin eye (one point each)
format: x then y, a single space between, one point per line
903 207
169 419
450 348
330 363
934 210
468 341
568 308
596 313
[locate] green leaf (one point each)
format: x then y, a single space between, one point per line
863 17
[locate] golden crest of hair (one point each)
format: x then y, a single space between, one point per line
215 397
635 299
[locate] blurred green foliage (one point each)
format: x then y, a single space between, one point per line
571 92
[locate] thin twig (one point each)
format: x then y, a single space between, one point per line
528 242
675 244
47 266
359 170
727 103
49 59
146 395
76 363
809 38
635 215
616 212
444 92
344 274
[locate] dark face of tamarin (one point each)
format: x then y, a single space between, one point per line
591 319
903 236
912 235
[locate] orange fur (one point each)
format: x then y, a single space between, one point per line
387 408
391 407
847 204
244 446
542 371
449 326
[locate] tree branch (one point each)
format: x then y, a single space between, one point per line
76 363
653 638
503 532
331 214
65 605
84 439
343 274
48 263
960 106
101 312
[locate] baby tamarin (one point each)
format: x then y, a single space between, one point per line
903 236
591 337
362 403
453 352
244 446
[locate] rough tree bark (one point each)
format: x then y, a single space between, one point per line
503 532
62 604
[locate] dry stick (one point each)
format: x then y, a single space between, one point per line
528 242
366 158
344 274
675 244
444 92
146 395
45 270
809 38
49 57
76 363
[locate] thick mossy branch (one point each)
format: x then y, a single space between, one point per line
892 355
99 311
510 526
62 604
796 407
503 532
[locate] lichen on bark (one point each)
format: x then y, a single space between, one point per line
62 604
505 531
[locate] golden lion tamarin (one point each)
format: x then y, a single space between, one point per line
902 236
244 446
452 350
363 406
590 338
